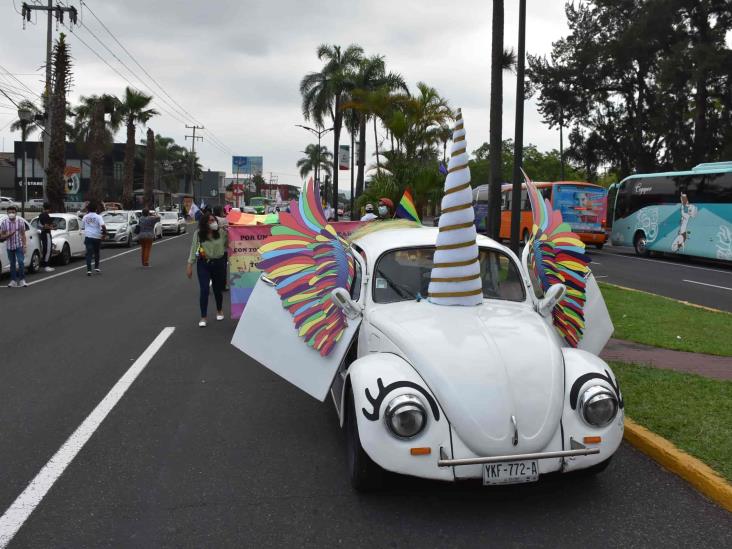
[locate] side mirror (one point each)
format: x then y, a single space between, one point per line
343 300
552 297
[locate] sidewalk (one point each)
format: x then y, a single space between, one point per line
716 367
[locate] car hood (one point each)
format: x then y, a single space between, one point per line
115 226
484 364
169 221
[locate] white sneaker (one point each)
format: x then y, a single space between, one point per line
49 269
98 271
219 317
13 284
23 284
202 324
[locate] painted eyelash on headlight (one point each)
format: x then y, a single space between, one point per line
581 380
384 391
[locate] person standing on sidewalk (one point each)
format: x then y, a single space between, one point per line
146 235
94 231
45 223
12 232
208 251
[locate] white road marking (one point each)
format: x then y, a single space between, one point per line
28 500
102 261
600 276
705 284
670 263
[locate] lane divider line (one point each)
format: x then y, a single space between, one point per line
102 260
28 500
661 261
707 284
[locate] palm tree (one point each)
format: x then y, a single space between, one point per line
323 94
147 195
372 85
56 183
134 110
83 117
315 159
168 160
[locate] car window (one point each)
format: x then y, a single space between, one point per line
59 223
402 275
356 282
73 225
34 223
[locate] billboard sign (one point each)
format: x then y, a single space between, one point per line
247 164
344 157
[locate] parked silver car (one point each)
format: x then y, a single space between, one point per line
120 227
173 222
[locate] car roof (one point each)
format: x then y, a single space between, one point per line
378 242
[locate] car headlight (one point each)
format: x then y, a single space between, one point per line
598 406
121 230
405 416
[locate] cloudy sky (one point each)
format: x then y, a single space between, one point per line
236 65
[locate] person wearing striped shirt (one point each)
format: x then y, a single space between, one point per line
12 232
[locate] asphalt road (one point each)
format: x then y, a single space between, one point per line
693 280
208 449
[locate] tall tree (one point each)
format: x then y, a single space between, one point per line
134 109
96 142
496 115
315 160
82 114
323 94
147 197
61 82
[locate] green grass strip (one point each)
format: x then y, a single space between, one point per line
663 322
693 412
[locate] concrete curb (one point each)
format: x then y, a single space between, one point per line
700 476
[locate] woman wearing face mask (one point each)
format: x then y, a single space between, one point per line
208 253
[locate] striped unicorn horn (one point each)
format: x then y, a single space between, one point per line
455 278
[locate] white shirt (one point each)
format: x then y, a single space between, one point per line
92 224
369 217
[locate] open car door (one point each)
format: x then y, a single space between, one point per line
266 333
598 326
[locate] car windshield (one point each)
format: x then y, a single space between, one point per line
403 275
256 201
170 215
115 217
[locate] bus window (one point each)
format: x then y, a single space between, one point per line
525 202
546 192
506 202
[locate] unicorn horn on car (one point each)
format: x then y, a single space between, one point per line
455 277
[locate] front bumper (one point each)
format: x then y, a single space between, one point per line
170 229
117 239
444 461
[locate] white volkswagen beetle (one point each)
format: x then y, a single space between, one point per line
67 237
489 392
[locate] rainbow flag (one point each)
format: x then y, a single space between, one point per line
406 208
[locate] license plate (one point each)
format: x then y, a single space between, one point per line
510 472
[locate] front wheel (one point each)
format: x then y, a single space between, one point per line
365 475
35 263
641 245
600 245
65 255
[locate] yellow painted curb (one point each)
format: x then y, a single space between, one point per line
700 476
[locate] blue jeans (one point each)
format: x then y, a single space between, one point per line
16 273
92 250
215 271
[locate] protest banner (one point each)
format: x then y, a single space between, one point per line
244 242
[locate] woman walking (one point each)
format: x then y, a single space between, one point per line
146 235
208 253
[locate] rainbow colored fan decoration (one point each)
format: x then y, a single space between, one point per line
557 256
307 260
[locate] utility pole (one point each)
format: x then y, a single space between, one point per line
50 11
193 152
273 179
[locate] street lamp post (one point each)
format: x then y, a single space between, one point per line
26 117
320 134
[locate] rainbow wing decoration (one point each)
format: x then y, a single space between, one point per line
557 256
307 260
406 208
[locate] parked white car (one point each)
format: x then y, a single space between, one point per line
33 252
6 202
67 237
487 392
158 230
173 222
120 227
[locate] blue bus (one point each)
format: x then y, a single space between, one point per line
685 213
